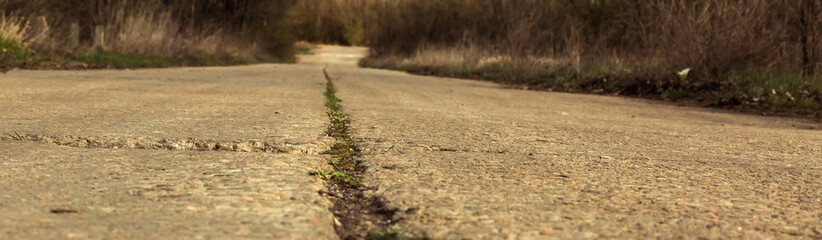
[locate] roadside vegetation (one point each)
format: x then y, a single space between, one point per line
341 22
153 33
756 55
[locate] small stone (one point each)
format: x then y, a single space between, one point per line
791 230
726 203
316 222
107 209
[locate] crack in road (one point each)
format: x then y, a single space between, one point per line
188 144
359 215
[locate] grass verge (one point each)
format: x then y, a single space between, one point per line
20 58
14 54
120 60
116 60
769 92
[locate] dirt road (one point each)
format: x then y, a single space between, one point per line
223 153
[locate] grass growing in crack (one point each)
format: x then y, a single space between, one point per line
336 176
357 212
344 156
342 148
389 236
339 120
344 151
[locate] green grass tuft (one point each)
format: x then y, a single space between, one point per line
336 176
389 236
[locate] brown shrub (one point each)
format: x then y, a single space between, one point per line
712 37
166 28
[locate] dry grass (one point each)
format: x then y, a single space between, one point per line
475 57
709 36
154 33
343 22
756 52
191 31
13 42
765 90
474 62
13 29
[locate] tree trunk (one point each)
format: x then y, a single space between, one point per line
808 12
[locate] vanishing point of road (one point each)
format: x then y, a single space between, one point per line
224 153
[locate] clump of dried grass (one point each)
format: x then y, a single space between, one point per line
155 33
185 29
13 28
739 52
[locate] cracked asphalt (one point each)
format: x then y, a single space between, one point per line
131 154
458 159
474 160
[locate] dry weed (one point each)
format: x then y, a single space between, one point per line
13 28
